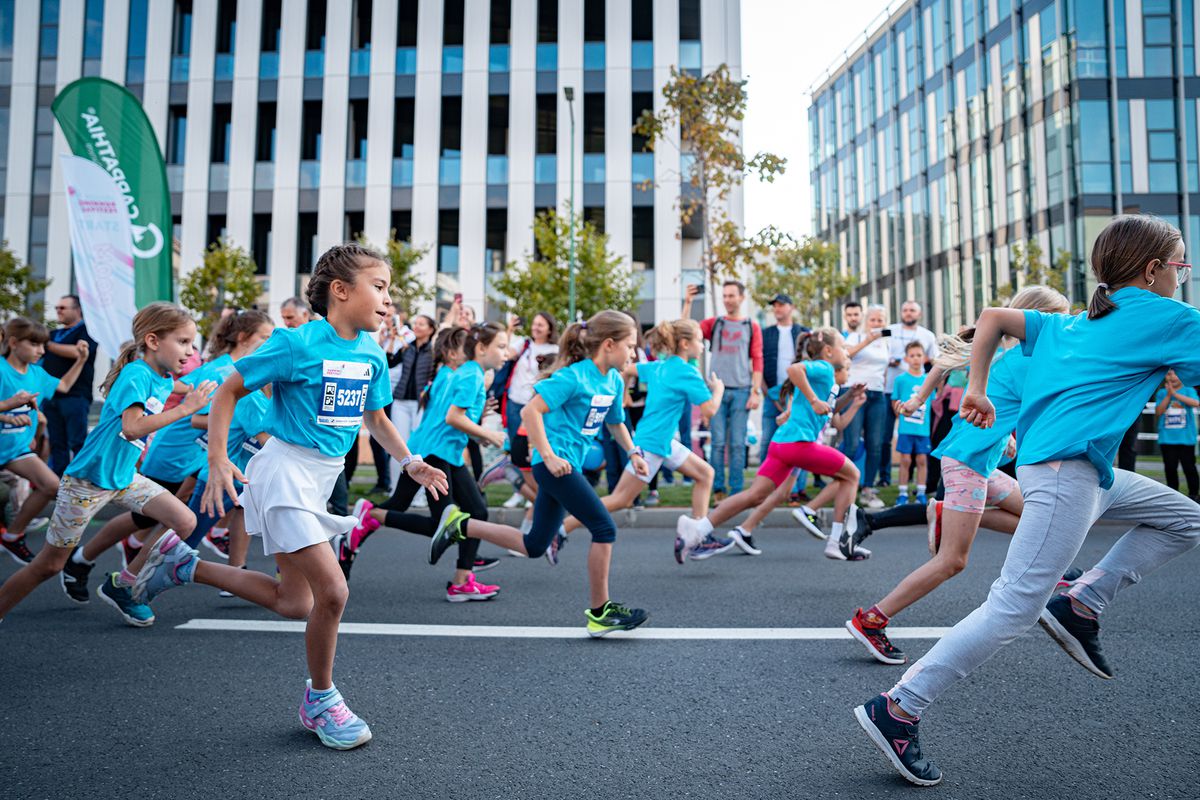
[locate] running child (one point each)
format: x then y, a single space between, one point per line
795 445
912 440
1088 379
973 484
328 378
26 384
582 392
456 407
103 471
1174 411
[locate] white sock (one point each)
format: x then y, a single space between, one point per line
835 535
218 533
79 559
704 527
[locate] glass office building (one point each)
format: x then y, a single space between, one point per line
291 125
959 128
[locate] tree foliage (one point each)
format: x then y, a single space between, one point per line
18 286
708 110
1027 267
542 282
809 272
225 279
408 290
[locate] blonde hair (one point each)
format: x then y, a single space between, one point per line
158 319
582 340
954 352
808 348
669 335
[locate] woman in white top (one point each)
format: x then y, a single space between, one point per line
868 350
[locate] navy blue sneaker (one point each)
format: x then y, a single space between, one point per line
897 739
1076 634
711 546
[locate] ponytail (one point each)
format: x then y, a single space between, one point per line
582 340
129 353
668 336
1101 303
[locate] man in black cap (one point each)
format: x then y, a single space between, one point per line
779 350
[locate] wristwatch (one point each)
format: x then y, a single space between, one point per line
409 459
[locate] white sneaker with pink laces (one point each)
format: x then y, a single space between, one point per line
470 589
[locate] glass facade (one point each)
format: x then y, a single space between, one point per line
964 127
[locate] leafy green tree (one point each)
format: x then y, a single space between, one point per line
225 279
408 290
709 110
1027 267
810 273
541 283
18 286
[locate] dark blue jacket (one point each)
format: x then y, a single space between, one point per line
771 351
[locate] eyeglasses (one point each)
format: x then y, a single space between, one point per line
1182 271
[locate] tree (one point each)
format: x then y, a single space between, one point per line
408 291
225 279
18 286
541 284
809 272
1027 268
709 110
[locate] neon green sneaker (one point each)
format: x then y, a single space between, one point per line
449 531
614 617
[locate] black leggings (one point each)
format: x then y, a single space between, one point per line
463 490
1180 455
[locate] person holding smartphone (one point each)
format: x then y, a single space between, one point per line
867 344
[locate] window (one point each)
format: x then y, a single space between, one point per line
402 141
452 36
356 138
406 37
221 123
402 224
49 29
135 64
501 31
642 30
260 243
306 242
643 238
1092 141
269 36
264 139
547 34
360 38
176 134
1156 36
1120 38
181 40
495 235
93 35
1160 145
226 37
1091 46
689 34
497 142
450 164
314 40
1054 158
593 34
447 258
310 131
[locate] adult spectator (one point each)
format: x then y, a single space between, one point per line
869 353
779 350
414 358
736 357
907 330
67 413
294 312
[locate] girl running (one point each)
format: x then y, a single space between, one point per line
25 384
970 457
1088 378
671 383
582 392
456 406
104 471
1174 410
328 378
175 456
794 445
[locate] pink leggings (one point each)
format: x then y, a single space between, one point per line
783 457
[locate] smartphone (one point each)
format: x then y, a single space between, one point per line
699 289
886 332
458 297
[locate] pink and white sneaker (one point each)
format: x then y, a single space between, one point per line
366 524
470 590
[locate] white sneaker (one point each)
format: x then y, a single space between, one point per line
514 501
745 541
687 537
420 501
871 499
810 522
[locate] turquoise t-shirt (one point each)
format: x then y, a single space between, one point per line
982 449
580 399
671 384
107 458
803 425
906 386
173 453
16 439
249 420
1089 379
321 383
1177 425
435 409
464 388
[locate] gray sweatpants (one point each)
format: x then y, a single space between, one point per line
1062 501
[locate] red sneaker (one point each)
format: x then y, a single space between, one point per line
471 589
875 640
17 549
933 515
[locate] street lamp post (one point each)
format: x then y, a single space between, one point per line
569 93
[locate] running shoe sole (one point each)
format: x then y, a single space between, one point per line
465 598
599 634
807 524
137 623
743 545
877 739
485 567
215 550
1069 643
16 557
333 744
62 579
880 657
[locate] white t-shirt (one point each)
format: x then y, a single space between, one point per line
870 363
899 339
525 372
786 354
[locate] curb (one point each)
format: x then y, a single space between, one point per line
662 517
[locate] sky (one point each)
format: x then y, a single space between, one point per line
786 46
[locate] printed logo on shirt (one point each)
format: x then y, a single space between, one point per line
202 440
1175 419
600 405
918 416
251 446
153 405
344 393
23 411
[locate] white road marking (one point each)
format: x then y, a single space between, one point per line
533 632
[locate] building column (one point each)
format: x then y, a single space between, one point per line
199 136
472 195
70 67
381 120
285 201
239 207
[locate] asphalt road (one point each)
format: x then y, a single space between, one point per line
98 709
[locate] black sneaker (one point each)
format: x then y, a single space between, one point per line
74 578
897 739
17 549
1079 636
857 528
345 556
484 563
614 617
810 522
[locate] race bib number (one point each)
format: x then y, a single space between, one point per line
343 393
600 405
202 440
251 446
153 405
24 411
918 416
1175 419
